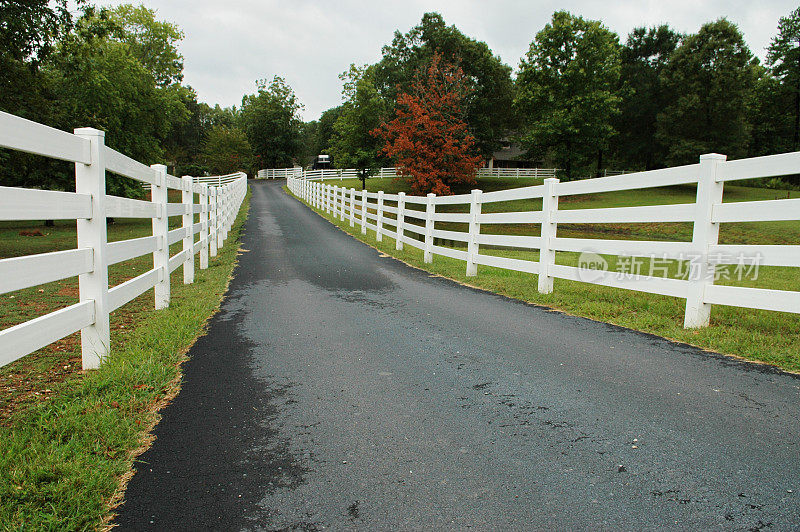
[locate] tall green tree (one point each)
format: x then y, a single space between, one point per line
352 144
309 135
710 78
226 150
488 108
100 83
29 31
784 61
769 115
567 92
643 58
272 124
153 42
325 130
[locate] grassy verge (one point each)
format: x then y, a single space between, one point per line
65 458
762 336
32 379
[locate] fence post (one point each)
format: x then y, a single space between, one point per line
363 212
429 211
203 226
401 218
379 221
326 198
352 207
220 217
187 195
92 233
227 212
212 221
158 193
474 231
547 256
704 235
223 215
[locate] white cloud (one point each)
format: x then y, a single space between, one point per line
229 44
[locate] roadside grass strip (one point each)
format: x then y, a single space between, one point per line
67 454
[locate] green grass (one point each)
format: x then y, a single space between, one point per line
65 455
763 336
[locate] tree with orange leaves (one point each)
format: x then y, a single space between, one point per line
429 138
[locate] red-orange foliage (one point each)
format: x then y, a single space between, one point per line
429 137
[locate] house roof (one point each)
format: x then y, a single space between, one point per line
512 153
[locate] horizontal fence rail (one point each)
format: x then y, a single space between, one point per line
279 173
219 200
324 174
416 226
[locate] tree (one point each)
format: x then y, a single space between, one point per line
270 120
151 41
487 109
226 150
643 58
325 130
784 61
29 30
100 83
769 116
309 136
352 145
567 91
429 136
710 77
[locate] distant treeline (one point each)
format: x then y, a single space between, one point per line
119 70
582 100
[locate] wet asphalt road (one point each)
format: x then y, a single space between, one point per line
341 389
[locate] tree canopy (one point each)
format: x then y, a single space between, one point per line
352 145
429 136
567 90
226 150
488 112
643 59
709 78
270 119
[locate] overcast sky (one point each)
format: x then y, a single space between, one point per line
231 43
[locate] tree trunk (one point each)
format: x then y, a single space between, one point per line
568 168
599 161
796 134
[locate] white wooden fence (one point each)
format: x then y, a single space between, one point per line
390 172
538 173
90 206
370 210
217 180
279 173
